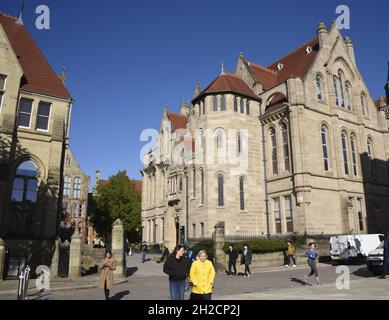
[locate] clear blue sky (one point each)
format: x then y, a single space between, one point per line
125 59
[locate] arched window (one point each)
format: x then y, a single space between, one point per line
247 107
344 151
67 186
354 154
29 225
324 143
240 143
319 88
215 103
224 105
203 103
336 93
202 186
341 85
285 146
220 190
220 140
235 104
273 141
77 188
241 194
242 103
363 104
348 96
370 156
25 185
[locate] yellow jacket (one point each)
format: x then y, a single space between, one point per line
202 275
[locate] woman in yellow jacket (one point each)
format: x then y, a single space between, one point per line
202 275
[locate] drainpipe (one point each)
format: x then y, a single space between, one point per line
264 160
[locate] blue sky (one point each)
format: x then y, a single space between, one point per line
125 59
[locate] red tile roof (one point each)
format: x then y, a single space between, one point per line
295 64
178 121
39 75
228 82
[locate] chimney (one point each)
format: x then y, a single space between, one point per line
322 34
185 109
98 176
350 49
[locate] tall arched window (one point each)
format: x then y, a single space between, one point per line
219 139
223 103
344 151
324 143
285 146
319 88
273 141
202 181
194 182
220 190
336 93
203 103
341 85
247 107
370 156
241 193
242 103
215 103
240 143
25 185
67 186
348 96
235 104
353 145
363 104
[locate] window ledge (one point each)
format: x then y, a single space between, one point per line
244 211
201 206
221 208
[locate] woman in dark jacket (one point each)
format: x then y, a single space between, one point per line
177 268
246 259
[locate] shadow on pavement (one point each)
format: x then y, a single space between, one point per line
363 273
120 295
299 281
131 271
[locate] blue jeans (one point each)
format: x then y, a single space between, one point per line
177 290
143 255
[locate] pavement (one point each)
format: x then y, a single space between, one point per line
146 281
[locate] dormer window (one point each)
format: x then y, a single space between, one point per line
280 66
308 50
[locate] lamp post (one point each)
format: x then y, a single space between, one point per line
186 174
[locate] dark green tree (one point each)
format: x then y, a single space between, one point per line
118 199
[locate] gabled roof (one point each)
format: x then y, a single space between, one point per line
39 77
295 64
178 121
228 82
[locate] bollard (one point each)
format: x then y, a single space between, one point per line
24 278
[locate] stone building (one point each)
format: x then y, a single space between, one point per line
35 110
75 198
297 146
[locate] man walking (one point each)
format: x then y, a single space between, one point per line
232 258
246 259
143 251
290 255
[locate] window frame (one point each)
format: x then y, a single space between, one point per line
30 114
345 153
46 117
274 150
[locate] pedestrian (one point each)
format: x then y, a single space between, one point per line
202 275
107 266
312 255
190 255
290 255
143 251
246 259
177 268
165 253
127 247
232 258
386 256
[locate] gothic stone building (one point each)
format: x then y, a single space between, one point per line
35 110
313 144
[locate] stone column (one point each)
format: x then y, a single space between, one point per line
55 260
2 259
118 247
218 242
75 256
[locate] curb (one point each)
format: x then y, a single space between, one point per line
35 292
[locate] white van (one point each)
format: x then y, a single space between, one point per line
353 248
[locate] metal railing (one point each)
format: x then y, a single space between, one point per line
24 278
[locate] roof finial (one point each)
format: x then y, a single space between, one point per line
63 75
222 67
20 19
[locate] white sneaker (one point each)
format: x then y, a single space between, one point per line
286 266
294 266
244 276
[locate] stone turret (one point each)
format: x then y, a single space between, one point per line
322 34
350 49
185 109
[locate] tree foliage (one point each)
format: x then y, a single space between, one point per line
117 199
